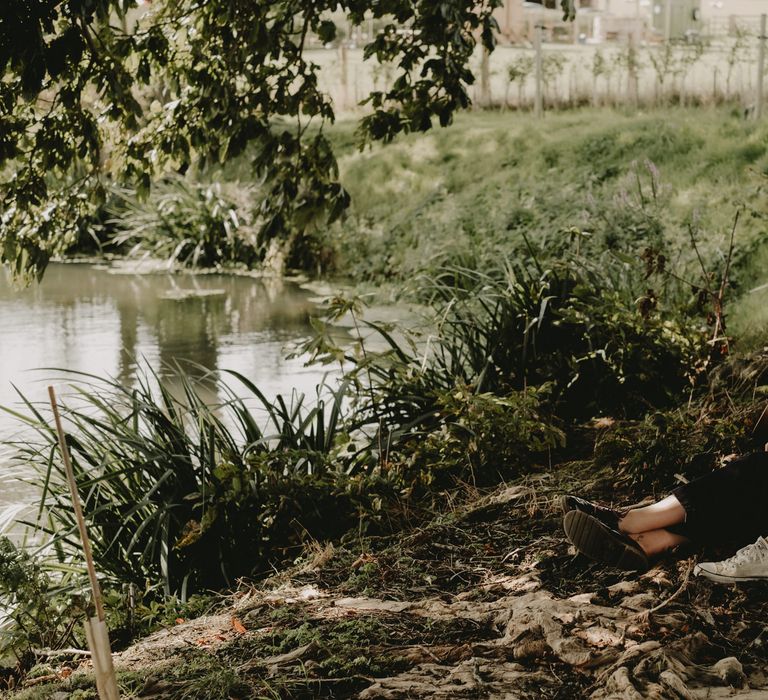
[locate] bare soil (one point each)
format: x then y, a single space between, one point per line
488 601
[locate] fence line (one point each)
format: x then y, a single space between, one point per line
629 75
609 74
719 65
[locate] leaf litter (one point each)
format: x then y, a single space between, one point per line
486 601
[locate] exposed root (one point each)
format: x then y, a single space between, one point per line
686 577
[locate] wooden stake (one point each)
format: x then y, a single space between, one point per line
105 671
760 69
538 105
96 628
95 660
485 78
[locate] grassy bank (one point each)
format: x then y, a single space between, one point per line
486 189
470 193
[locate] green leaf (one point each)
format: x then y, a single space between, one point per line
326 31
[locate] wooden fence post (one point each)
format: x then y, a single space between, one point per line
539 102
760 68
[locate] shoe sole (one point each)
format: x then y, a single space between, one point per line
596 541
564 506
722 578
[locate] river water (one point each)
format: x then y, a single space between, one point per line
108 322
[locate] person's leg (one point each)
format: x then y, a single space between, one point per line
656 516
726 505
596 540
658 541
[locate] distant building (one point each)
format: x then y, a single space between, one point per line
726 16
679 18
606 20
718 9
676 18
596 20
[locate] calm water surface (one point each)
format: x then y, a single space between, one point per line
88 318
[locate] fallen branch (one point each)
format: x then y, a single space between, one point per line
50 653
645 614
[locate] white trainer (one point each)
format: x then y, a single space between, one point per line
748 564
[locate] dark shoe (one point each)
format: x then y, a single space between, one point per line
607 516
596 540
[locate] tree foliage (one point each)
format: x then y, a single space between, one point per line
90 96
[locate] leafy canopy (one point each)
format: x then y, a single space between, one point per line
90 96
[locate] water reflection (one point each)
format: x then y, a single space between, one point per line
88 318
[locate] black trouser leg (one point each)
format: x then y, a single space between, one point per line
730 505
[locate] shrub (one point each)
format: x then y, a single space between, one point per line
34 617
482 438
692 439
590 329
650 454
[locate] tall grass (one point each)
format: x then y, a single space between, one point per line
177 491
589 329
186 495
186 223
463 196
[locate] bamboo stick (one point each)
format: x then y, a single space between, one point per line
96 628
95 660
106 669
